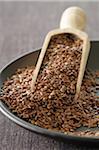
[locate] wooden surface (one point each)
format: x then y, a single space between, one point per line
23 26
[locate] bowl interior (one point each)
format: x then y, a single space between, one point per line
31 59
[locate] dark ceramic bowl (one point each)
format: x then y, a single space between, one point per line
30 59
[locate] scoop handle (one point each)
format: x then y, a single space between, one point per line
73 17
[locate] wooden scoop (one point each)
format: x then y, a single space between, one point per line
72 21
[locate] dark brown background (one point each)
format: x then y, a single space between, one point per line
23 26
